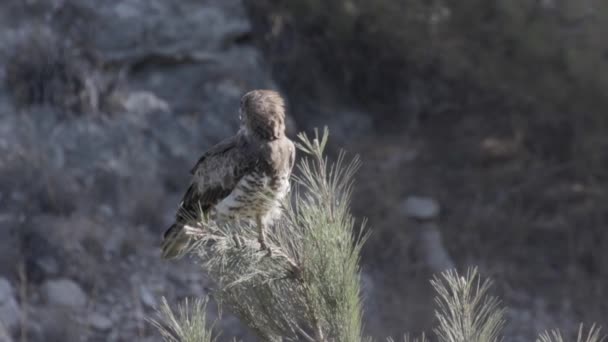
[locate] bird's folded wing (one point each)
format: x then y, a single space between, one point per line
215 175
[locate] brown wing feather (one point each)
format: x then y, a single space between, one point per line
216 150
194 202
215 175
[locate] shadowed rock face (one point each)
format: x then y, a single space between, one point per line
104 107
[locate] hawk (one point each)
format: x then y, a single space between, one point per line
244 177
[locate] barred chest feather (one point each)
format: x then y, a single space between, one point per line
256 194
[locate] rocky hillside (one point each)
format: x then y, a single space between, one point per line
103 110
469 158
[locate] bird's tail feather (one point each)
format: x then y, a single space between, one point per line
176 243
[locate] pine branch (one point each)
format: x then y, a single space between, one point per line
465 312
307 287
189 324
593 335
407 338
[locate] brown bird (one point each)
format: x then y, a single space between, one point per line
244 177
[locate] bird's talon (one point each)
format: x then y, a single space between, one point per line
263 245
237 241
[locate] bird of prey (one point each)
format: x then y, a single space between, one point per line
243 177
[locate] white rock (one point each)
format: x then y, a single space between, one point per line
64 292
143 102
10 312
99 321
421 208
147 298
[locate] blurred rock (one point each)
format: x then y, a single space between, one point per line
10 313
432 249
421 208
4 335
495 148
54 323
142 102
64 293
99 321
146 296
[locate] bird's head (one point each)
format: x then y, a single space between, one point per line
262 114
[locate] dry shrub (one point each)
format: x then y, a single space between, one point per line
44 70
